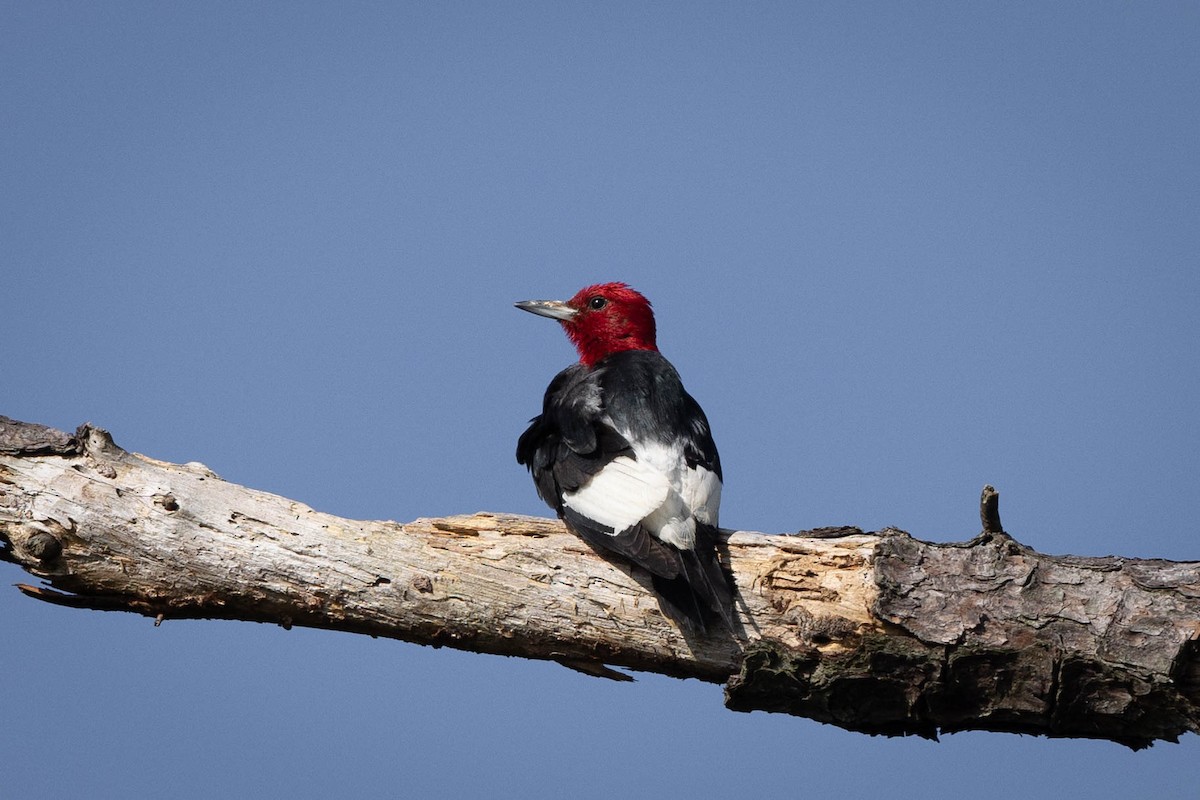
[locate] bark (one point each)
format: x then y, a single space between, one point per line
874 632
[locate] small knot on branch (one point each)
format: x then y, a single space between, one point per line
166 502
44 546
97 441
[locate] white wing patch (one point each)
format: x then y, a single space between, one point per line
657 489
621 495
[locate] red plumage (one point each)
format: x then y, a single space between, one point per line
624 321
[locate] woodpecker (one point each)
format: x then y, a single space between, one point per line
625 455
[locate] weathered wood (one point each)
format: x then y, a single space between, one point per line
876 632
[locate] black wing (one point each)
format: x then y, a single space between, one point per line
566 446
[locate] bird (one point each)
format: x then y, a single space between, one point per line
625 456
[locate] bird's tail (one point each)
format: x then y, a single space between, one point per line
701 592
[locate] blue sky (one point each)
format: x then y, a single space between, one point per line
896 250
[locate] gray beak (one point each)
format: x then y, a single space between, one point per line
555 309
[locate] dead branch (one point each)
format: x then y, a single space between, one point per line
874 632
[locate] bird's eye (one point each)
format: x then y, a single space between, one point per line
597 303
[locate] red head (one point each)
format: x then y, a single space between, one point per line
602 319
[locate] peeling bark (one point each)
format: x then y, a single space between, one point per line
874 632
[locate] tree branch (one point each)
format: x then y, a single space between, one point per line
874 632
